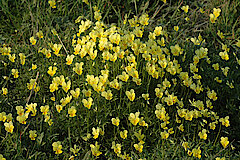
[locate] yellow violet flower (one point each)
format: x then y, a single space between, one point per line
216 12
72 111
131 94
3 116
69 59
52 3
1 157
66 86
224 55
59 108
56 48
4 91
9 127
115 121
225 121
108 95
164 135
185 8
176 28
87 103
75 93
12 57
95 149
78 68
52 70
185 145
57 147
138 147
123 134
116 147
224 141
39 34
34 66
15 73
33 40
95 132
134 118
203 134
44 109
32 135
197 152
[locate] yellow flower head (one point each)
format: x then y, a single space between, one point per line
9 127
95 149
52 3
32 134
4 91
69 59
197 152
33 40
57 147
115 121
72 111
224 141
44 109
123 134
185 8
138 147
131 94
52 70
87 103
134 118
15 73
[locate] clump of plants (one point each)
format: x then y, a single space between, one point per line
117 92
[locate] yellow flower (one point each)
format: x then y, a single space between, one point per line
52 3
20 110
87 103
224 141
44 109
123 134
52 70
11 57
59 108
78 68
116 147
4 91
15 73
134 118
31 108
185 8
75 93
95 132
158 30
22 119
216 12
203 134
138 147
72 111
131 94
69 59
224 55
32 134
33 40
108 95
185 145
197 152
1 157
212 95
34 66
176 28
66 86
164 135
39 34
225 121
56 48
124 77
9 127
218 158
95 149
3 117
146 96
57 147
115 121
